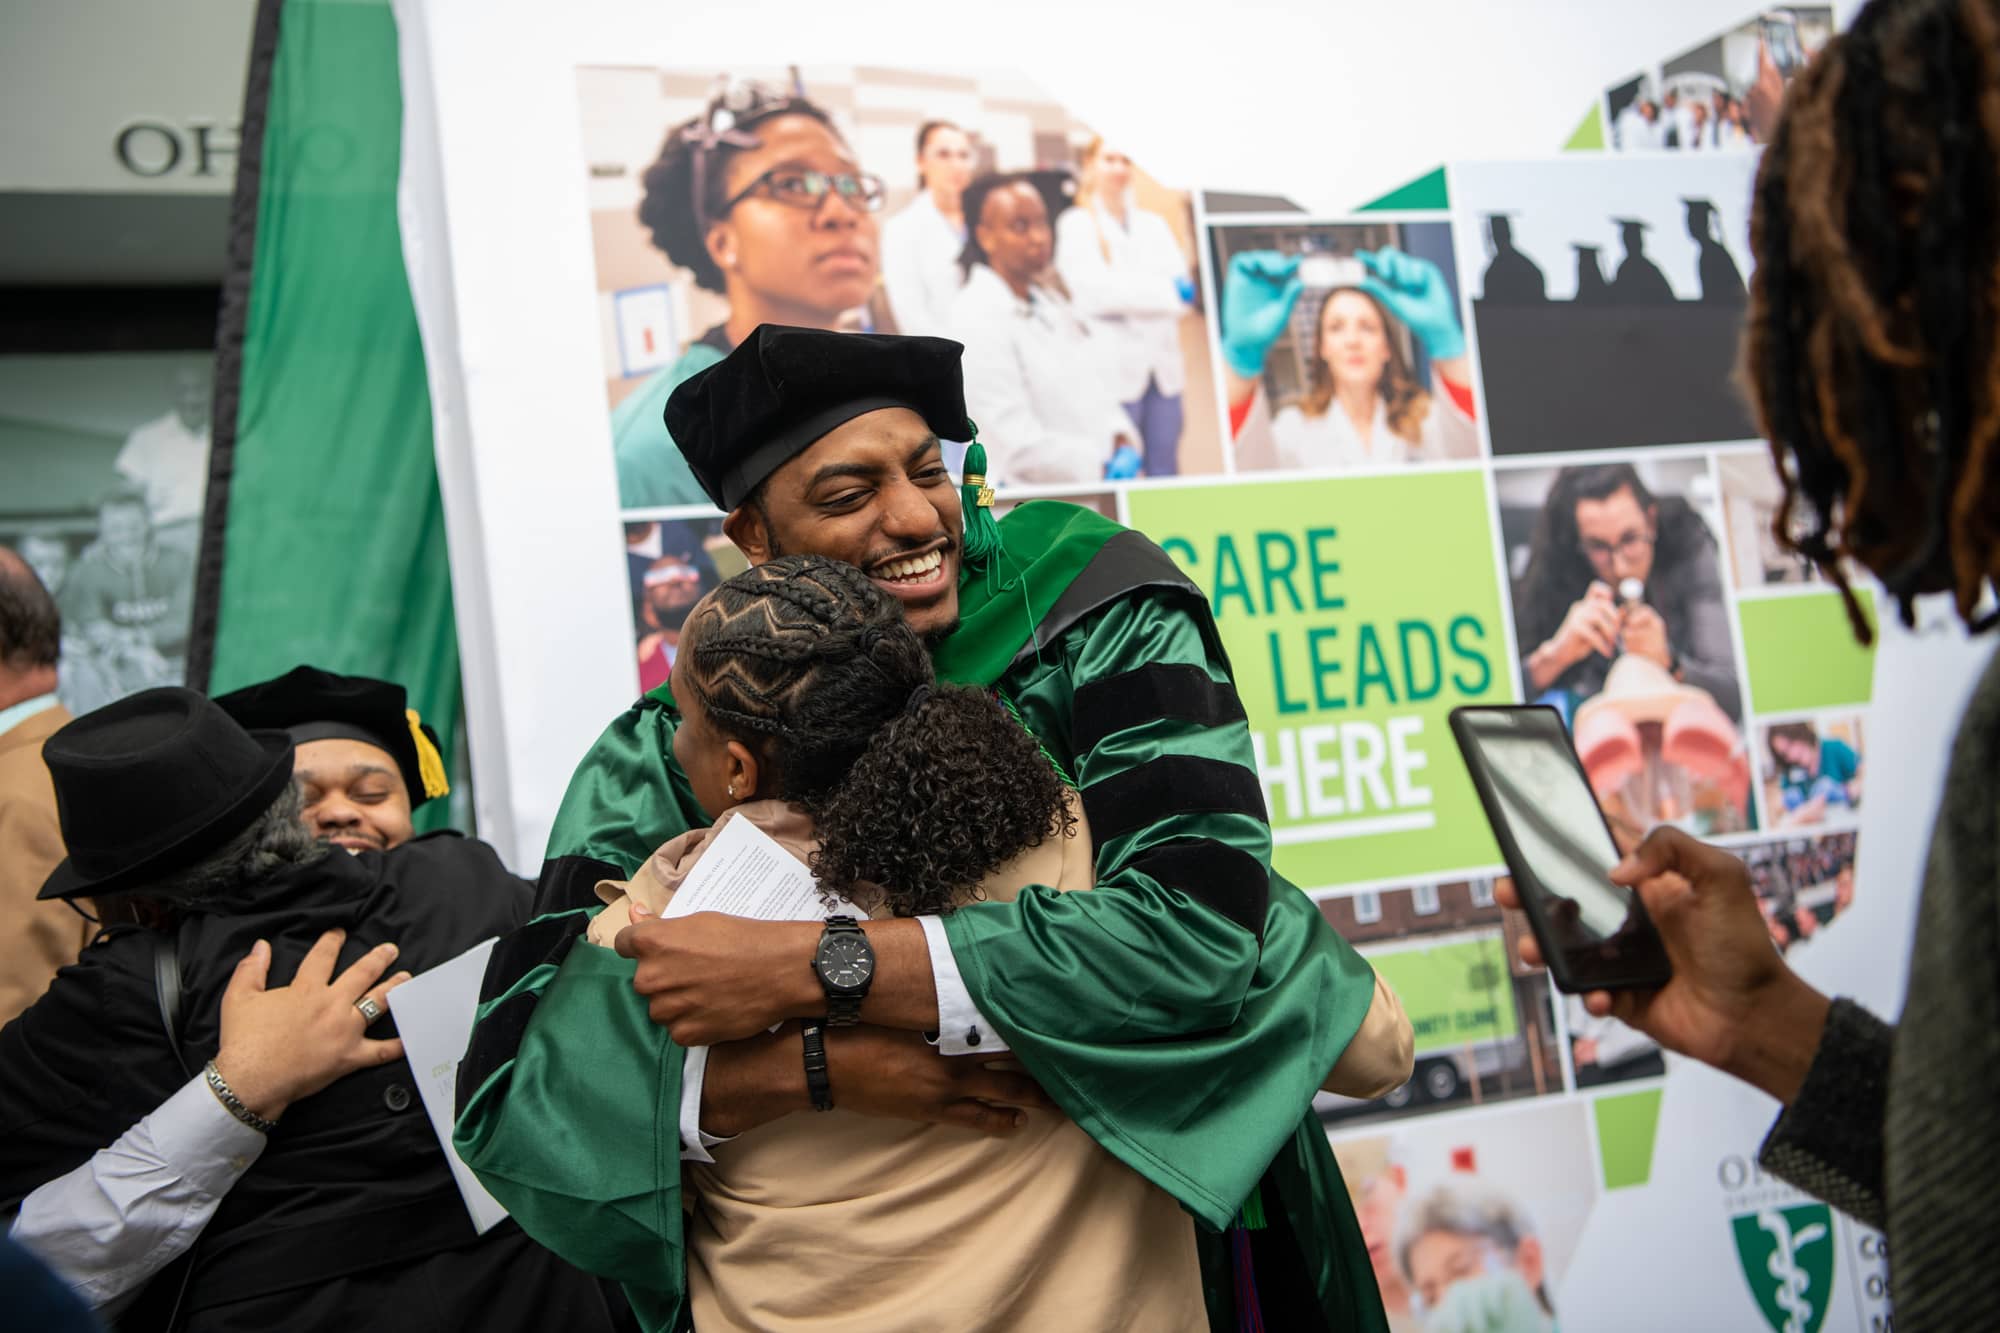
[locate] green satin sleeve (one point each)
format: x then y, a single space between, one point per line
628 795
1157 958
1168 1030
578 1136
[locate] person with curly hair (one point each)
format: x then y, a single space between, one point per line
810 708
1873 357
761 200
1181 1013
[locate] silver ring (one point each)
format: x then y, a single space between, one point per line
370 1010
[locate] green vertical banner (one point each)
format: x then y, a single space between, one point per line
1358 612
326 539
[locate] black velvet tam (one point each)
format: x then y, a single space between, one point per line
783 388
315 705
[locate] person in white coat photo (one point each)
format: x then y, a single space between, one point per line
921 244
1129 279
1039 382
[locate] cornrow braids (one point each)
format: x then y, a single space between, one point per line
920 793
1872 351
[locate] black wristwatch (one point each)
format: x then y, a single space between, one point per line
845 966
817 1086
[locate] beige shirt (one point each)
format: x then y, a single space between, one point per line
841 1223
39 937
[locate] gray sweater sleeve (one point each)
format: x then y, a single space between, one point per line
1828 1142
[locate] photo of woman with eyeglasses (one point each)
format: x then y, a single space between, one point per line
1039 381
760 199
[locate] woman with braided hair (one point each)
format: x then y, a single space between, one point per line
809 707
1873 356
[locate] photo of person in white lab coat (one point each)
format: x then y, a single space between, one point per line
922 243
1129 279
1362 404
1040 382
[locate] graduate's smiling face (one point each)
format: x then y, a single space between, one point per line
352 794
875 493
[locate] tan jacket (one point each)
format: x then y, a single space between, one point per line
35 938
843 1223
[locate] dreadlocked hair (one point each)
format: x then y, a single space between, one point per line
667 203
918 789
1871 351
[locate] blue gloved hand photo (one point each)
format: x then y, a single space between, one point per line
1184 288
1258 295
1124 464
1414 291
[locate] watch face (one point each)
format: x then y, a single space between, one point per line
846 962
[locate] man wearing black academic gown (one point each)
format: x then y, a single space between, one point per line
349 1216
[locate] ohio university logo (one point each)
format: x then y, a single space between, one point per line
1787 1255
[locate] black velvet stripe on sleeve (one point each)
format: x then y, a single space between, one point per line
570 882
1173 784
1178 690
495 1038
1227 879
546 939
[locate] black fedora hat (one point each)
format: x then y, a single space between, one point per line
152 783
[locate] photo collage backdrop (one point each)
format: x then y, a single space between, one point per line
1490 452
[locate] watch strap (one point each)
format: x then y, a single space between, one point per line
817 1085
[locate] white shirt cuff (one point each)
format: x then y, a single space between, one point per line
695 1142
195 1132
962 1029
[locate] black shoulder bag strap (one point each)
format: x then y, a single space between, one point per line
167 990
145 1312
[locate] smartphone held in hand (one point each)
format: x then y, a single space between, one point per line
1594 934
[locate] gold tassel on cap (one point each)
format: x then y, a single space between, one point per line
429 762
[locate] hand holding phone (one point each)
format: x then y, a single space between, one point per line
1593 934
1732 1003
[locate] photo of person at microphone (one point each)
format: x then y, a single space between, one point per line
1623 628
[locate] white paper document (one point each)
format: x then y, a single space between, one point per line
434 1015
744 871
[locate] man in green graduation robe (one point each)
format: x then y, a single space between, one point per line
1183 1013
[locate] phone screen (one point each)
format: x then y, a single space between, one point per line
1593 933
1780 30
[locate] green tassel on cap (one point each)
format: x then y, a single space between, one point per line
981 541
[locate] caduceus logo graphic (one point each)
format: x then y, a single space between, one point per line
1787 1255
